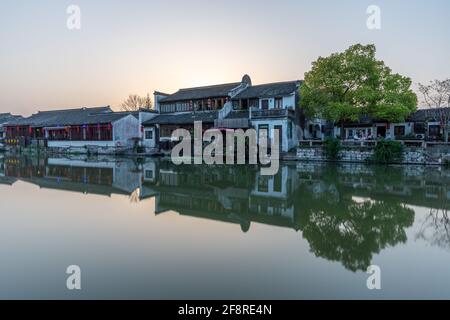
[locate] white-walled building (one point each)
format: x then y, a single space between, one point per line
79 129
238 105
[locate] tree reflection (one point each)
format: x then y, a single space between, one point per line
435 229
342 227
354 234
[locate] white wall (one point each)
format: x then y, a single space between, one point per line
149 143
126 129
150 172
145 116
271 123
272 193
289 101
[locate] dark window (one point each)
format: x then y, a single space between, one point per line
265 104
148 174
419 128
149 135
278 103
105 132
92 133
76 133
399 131
166 131
434 131
253 103
277 182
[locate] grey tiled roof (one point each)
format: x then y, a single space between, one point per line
428 114
221 90
101 115
269 90
8 117
184 118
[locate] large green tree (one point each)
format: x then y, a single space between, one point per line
349 84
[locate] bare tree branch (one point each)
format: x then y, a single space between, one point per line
436 96
135 102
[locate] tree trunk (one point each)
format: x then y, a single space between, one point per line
342 131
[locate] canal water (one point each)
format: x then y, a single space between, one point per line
148 229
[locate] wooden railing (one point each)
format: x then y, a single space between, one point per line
271 113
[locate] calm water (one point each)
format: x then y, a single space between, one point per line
149 229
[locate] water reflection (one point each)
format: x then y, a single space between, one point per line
347 213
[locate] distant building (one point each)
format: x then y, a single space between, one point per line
101 177
78 128
6 118
424 124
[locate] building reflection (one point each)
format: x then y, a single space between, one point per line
347 213
237 194
89 176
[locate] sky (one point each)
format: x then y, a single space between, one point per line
137 47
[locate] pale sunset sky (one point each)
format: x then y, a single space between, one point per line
137 46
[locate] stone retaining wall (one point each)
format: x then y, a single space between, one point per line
410 156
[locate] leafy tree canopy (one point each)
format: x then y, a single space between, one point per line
346 85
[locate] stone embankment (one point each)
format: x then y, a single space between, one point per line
413 156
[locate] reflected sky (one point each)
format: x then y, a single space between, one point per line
149 229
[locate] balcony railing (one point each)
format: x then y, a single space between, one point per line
271 113
232 123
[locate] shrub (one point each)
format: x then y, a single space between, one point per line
446 161
388 151
140 149
332 148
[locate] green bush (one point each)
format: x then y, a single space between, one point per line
446 162
388 151
332 147
140 149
